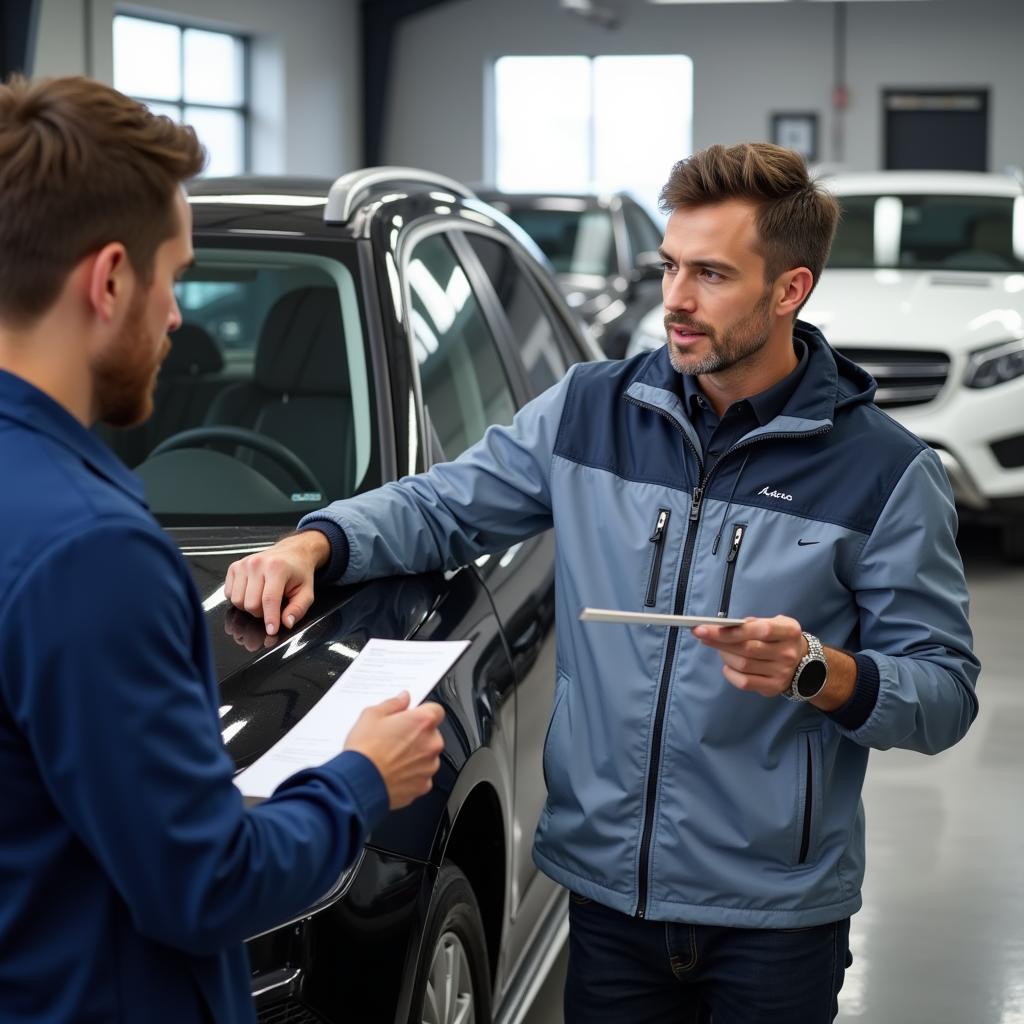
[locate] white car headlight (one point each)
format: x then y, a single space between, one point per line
996 365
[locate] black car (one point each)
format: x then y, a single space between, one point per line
604 249
335 337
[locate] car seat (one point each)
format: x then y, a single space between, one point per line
187 382
300 393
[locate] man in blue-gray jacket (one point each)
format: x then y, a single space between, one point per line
130 872
712 839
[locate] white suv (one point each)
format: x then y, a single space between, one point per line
925 290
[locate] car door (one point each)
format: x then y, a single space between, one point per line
533 336
473 372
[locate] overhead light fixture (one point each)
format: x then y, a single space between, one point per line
603 16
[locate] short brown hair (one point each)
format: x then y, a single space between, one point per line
796 217
81 165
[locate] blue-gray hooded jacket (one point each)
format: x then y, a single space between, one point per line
672 794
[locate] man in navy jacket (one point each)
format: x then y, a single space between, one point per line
130 871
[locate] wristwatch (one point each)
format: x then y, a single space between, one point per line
811 673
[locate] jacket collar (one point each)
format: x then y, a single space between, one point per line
34 410
828 382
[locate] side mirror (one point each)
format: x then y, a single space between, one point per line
648 266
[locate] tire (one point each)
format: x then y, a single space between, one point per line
1011 541
453 981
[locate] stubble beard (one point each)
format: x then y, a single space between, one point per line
125 377
738 342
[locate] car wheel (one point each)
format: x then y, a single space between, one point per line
453 984
1011 540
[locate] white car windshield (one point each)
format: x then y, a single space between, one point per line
930 232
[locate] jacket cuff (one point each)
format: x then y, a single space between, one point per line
857 710
338 562
365 785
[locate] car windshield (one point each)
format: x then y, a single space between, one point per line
930 232
575 241
262 410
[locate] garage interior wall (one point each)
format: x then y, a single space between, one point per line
305 69
749 60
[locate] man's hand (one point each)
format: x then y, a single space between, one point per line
761 656
261 583
404 745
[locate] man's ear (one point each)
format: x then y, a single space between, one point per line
108 279
792 289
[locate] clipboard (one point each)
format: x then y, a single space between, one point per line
655 618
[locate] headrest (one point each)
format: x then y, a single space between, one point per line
193 351
302 346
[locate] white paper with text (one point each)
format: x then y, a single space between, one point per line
383 669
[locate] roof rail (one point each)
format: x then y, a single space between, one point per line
350 188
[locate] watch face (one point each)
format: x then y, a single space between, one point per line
812 679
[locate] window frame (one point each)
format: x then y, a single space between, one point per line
244 109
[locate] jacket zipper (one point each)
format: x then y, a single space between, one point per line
673 637
658 540
663 690
805 839
666 671
738 533
663 700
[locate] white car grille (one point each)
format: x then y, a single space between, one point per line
905 376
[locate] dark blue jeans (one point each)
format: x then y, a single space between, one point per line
626 971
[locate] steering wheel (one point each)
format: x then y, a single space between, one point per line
284 457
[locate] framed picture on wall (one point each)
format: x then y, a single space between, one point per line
797 131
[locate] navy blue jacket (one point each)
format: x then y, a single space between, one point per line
130 872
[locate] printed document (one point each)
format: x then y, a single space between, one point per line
383 669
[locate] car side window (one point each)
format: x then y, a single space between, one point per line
464 385
533 330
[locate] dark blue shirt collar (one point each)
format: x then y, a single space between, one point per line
34 409
765 405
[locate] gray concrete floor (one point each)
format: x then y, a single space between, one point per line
940 939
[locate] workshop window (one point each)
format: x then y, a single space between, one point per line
192 75
591 124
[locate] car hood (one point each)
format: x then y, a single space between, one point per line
264 687
932 310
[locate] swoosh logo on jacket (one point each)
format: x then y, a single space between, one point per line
804 543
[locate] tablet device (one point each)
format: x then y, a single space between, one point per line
655 618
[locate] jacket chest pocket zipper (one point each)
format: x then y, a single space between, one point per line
657 538
739 531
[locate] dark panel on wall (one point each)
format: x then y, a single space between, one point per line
936 130
18 20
